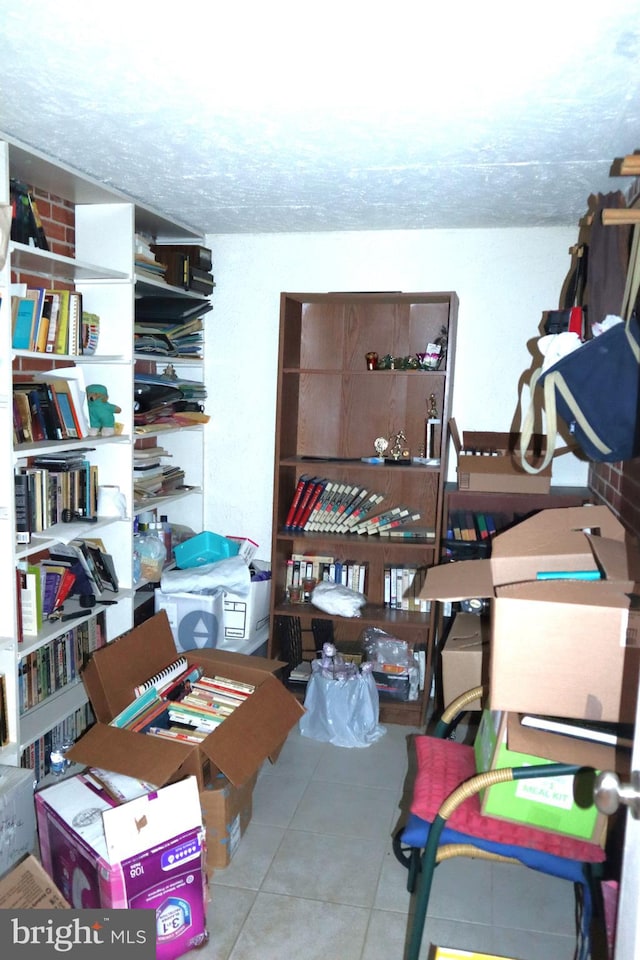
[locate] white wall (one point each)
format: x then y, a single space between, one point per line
504 279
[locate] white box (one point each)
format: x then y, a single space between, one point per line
224 621
145 854
195 619
244 618
17 815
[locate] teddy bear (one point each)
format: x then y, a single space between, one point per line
101 412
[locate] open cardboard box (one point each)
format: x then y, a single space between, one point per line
486 462
254 732
558 647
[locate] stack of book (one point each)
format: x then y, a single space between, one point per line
319 505
170 326
146 262
181 703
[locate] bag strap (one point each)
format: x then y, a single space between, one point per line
631 288
528 425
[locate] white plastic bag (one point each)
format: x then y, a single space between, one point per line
342 712
337 600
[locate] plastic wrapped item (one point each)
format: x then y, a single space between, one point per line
341 703
335 599
395 669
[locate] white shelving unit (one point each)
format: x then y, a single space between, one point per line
106 222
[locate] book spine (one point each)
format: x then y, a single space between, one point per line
295 501
22 508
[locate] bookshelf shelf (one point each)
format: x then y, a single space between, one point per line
330 410
93 251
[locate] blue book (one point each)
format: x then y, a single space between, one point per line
24 315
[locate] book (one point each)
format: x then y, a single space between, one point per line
134 710
53 299
23 319
74 344
163 678
22 508
301 486
61 345
612 734
74 378
301 514
30 598
43 326
90 333
37 294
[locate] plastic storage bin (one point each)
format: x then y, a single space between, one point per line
204 548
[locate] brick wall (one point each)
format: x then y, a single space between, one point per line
618 485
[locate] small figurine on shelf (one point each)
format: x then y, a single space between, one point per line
399 450
101 412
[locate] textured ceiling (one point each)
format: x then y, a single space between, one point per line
343 115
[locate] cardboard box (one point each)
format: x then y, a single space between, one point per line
254 732
465 657
564 647
29 887
220 621
17 815
227 813
486 462
244 618
145 854
195 619
560 804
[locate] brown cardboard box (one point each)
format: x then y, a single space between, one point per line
465 657
226 812
562 647
564 749
497 469
28 887
254 732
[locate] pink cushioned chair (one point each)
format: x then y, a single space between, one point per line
445 821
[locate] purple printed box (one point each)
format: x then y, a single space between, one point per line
145 854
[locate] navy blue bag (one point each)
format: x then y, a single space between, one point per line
596 388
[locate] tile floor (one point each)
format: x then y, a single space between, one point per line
314 876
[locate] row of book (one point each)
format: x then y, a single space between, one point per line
320 505
80 567
58 663
37 755
313 568
402 585
54 489
51 321
182 703
49 406
472 525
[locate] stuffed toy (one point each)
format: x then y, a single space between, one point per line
101 412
